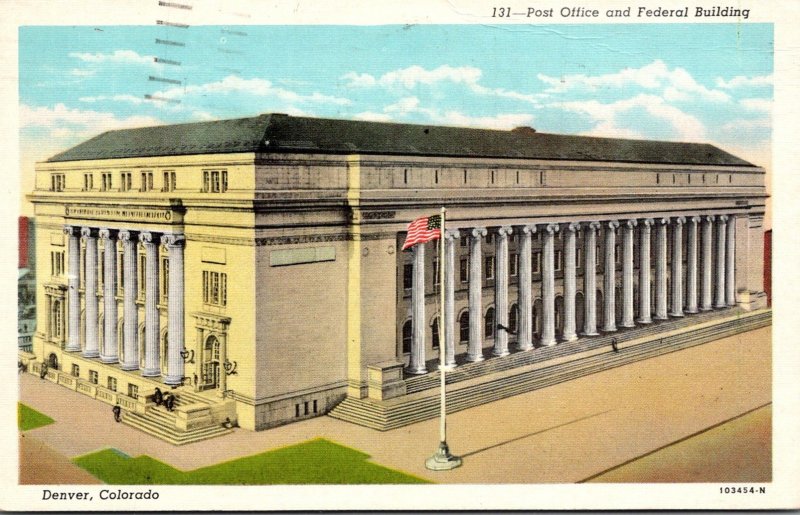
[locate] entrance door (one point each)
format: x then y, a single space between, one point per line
211 363
52 361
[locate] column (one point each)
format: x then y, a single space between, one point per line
661 268
109 354
627 273
730 262
590 279
501 292
609 277
475 349
91 347
450 296
691 265
644 272
525 325
130 329
549 286
175 338
152 330
416 364
705 291
677 267
722 224
570 287
73 284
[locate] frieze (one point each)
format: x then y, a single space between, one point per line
119 213
378 215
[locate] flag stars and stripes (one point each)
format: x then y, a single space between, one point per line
423 230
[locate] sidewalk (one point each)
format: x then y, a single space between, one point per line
563 434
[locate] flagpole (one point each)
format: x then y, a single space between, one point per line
442 459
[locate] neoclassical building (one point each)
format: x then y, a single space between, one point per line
253 266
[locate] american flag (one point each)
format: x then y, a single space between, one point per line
422 230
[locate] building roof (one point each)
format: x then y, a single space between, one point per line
291 134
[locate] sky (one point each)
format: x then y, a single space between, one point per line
679 82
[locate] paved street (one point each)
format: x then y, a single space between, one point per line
566 433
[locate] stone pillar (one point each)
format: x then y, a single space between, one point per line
525 324
627 273
691 265
416 364
705 287
130 329
109 354
73 286
661 268
475 348
549 286
501 292
175 337
644 272
677 267
450 296
609 277
152 330
92 345
730 263
722 224
590 279
570 287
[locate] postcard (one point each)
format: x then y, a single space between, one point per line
370 255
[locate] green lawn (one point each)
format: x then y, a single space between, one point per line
317 461
28 418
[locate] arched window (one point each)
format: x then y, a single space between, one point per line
463 323
435 332
512 318
407 337
488 328
211 362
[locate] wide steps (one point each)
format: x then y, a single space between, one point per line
161 424
387 415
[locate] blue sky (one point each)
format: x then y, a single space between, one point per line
681 82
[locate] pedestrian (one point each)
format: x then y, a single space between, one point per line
158 397
117 413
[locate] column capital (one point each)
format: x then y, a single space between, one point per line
126 235
529 229
452 234
612 224
88 232
71 230
552 228
631 223
592 226
709 218
680 220
647 222
663 221
107 234
504 231
477 232
173 240
573 226
147 237
695 219
723 218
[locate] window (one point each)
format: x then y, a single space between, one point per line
57 319
164 276
463 323
436 176
489 238
215 181
101 262
141 271
88 181
488 327
57 263
147 181
492 176
536 263
76 370
512 318
296 410
435 333
133 391
315 405
464 272
578 257
126 181
215 288
407 337
405 176
93 376
120 273
489 267
169 181
112 384
57 182
617 256
408 276
435 272
559 261
305 408
105 185
513 264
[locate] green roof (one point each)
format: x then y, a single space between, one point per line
291 134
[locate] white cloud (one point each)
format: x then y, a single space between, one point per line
763 105
76 72
118 56
359 80
64 122
372 116
677 84
606 116
409 106
741 81
740 125
130 99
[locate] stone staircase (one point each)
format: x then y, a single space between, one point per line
479 383
163 424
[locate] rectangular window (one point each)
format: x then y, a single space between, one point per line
169 181
536 264
133 391
76 370
57 263
147 181
93 376
489 239
489 268
513 263
164 276
315 405
215 285
112 384
435 272
464 270
100 269
57 182
126 181
215 181
141 272
296 410
617 256
106 182
408 278
120 273
578 257
559 260
88 182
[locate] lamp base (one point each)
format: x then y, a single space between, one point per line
442 459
